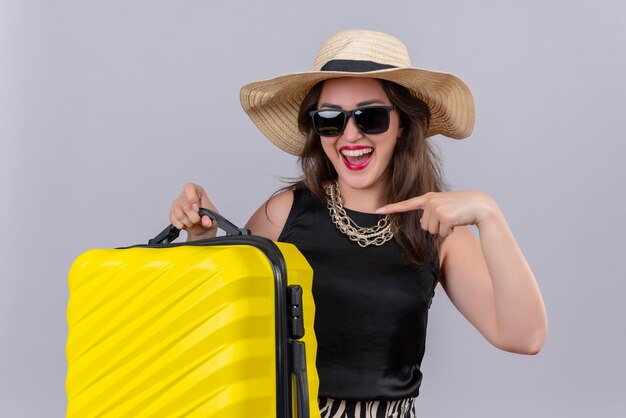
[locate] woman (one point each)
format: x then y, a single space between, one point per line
371 218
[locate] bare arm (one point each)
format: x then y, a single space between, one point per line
489 280
267 221
494 288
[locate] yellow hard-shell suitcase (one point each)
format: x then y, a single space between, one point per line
216 328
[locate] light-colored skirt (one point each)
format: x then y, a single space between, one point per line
334 408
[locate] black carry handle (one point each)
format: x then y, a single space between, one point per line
170 233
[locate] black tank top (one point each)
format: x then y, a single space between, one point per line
371 306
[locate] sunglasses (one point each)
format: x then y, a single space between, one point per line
370 120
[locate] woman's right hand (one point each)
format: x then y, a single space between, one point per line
184 213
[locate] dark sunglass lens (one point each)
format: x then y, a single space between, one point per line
328 122
372 120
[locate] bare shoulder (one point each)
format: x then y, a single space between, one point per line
459 239
460 253
269 219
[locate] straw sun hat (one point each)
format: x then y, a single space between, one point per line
273 104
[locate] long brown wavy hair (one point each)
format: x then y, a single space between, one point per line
415 167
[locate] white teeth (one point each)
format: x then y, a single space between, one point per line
356 152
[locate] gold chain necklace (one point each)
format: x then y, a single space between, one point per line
375 235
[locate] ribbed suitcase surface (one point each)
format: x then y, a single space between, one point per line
181 331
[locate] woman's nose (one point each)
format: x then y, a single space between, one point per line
351 132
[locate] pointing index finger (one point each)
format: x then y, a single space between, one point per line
403 206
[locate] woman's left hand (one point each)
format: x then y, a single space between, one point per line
442 211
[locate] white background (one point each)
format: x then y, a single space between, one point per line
108 107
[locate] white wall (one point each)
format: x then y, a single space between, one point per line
108 107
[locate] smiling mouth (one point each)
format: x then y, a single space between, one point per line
356 159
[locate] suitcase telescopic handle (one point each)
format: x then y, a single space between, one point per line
170 233
298 366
